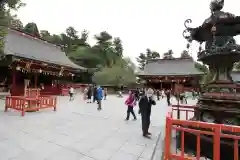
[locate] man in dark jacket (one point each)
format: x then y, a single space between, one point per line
94 94
145 105
168 95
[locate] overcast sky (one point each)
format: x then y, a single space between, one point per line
141 24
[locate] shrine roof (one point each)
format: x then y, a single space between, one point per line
25 46
170 67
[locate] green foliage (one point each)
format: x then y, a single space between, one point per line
32 29
106 55
121 73
144 57
5 18
168 54
208 75
236 66
185 54
201 67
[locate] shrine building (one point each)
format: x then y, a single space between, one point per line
167 73
31 61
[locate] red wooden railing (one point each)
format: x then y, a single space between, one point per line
64 91
24 104
217 131
32 92
185 110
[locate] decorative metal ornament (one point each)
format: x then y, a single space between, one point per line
220 99
187 32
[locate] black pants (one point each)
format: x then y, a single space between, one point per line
71 96
130 110
94 98
99 103
168 101
145 122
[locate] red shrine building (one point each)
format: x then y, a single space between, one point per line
29 62
170 73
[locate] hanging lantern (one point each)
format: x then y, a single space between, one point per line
40 70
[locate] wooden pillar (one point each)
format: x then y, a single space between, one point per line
13 86
14 78
35 80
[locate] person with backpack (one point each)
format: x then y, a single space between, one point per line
99 97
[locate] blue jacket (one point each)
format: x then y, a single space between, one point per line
99 94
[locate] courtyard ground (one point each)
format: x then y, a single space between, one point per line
77 131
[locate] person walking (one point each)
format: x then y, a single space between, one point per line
94 93
131 102
145 105
71 92
99 97
168 95
89 94
158 93
85 91
105 93
137 94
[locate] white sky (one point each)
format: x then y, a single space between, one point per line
141 24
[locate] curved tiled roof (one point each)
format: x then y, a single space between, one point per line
170 67
25 46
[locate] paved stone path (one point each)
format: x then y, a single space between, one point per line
77 131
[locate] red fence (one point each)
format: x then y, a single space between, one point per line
25 104
217 131
33 92
185 111
64 91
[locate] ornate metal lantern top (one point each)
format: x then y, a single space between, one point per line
223 21
217 31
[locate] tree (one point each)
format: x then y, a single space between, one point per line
119 74
117 43
141 59
84 37
104 47
32 29
144 57
236 66
208 75
56 39
45 35
185 54
72 33
5 7
168 55
86 57
16 24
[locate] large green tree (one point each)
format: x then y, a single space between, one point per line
168 54
32 29
121 73
185 54
5 7
144 57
